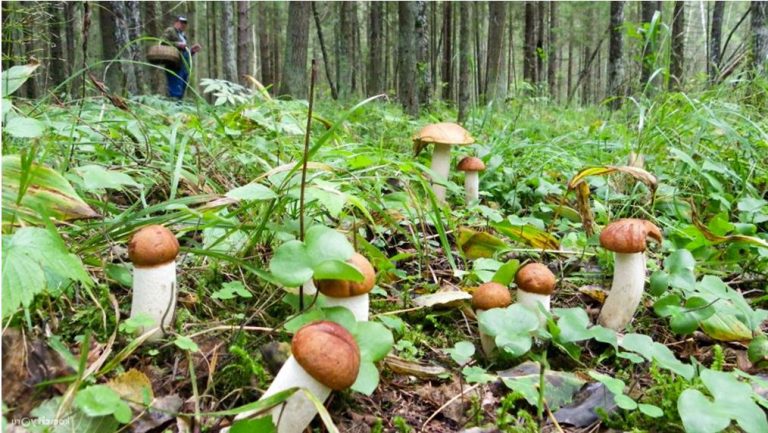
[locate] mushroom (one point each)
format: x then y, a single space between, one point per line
153 250
350 294
443 135
535 285
471 166
488 296
325 358
627 239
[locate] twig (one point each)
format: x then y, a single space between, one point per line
312 78
448 403
231 328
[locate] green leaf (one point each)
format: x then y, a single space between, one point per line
257 425
475 245
659 283
374 339
573 323
559 386
667 306
461 352
506 273
74 422
100 400
337 270
97 178
475 374
342 316
367 378
232 290
680 265
734 397
24 127
251 191
511 327
324 244
28 256
291 265
653 351
699 414
185 343
14 77
651 410
726 327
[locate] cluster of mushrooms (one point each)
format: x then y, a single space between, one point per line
324 355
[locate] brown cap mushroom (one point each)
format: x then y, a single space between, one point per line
535 278
491 295
443 133
152 246
471 163
328 352
629 235
346 288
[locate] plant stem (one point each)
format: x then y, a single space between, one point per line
312 78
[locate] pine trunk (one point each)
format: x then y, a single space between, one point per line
552 51
135 31
376 47
615 54
540 19
406 64
715 38
122 37
244 49
464 62
529 52
294 80
677 61
228 50
346 55
446 66
422 53
58 66
266 45
760 36
497 19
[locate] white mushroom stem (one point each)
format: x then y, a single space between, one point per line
487 342
441 166
471 186
626 291
295 414
532 300
154 295
358 305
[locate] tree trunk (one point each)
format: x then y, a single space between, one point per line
615 54
244 49
107 23
422 53
446 66
479 85
376 47
266 45
529 52
152 20
760 36
58 65
135 31
552 51
326 60
497 19
228 50
677 61
122 37
294 80
649 8
69 31
346 56
715 39
407 57
465 61
540 19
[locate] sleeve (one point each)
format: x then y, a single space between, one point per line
170 35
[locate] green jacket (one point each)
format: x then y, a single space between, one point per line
174 36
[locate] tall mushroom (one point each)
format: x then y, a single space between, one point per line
488 296
535 285
153 251
350 294
443 135
627 239
471 166
325 358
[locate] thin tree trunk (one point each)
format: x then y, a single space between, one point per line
677 61
529 52
447 60
540 20
716 31
228 50
326 60
478 53
244 49
497 19
407 57
552 51
465 61
376 65
277 60
122 38
760 36
615 55
649 9
345 57
58 66
135 31
422 53
266 45
294 82
152 20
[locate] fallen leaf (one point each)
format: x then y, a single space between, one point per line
582 411
559 389
475 244
412 368
446 299
596 293
132 386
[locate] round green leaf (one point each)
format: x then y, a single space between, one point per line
374 339
291 265
699 415
24 127
367 378
667 306
659 283
650 410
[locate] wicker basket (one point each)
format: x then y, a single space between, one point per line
164 55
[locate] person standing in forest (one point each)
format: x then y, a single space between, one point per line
177 79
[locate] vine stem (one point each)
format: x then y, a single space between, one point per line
312 78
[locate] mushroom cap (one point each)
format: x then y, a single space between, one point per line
152 246
347 288
471 163
328 352
443 133
629 235
491 295
535 278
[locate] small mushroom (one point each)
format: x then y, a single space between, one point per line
325 358
472 167
153 251
488 296
627 239
350 294
443 135
535 285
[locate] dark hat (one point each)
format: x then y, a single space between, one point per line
181 18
